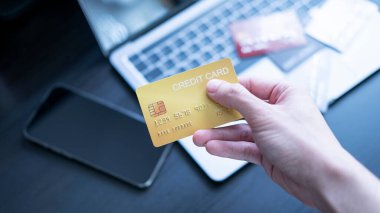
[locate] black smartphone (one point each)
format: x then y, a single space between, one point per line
88 130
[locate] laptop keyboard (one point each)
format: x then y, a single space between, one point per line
208 39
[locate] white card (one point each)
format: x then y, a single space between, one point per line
337 22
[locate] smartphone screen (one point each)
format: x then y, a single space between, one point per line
85 129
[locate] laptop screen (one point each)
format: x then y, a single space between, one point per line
115 21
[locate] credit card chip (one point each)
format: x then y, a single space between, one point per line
157 108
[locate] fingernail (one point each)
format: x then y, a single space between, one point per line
213 85
196 140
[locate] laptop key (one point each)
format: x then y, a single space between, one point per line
134 58
153 58
181 69
218 33
207 56
313 3
194 48
206 41
179 42
169 64
214 20
141 66
286 5
226 13
203 27
194 63
237 6
243 2
166 50
253 11
152 75
181 56
219 48
191 35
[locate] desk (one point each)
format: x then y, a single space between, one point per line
52 43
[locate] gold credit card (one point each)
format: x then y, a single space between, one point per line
177 106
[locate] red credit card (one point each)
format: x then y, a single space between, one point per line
263 34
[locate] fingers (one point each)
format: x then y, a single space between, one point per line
265 89
239 132
234 96
230 142
239 150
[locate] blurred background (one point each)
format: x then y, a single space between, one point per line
43 42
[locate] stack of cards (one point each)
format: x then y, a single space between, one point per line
263 34
177 106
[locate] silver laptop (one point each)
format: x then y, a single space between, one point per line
147 40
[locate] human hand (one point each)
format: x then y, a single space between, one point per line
286 134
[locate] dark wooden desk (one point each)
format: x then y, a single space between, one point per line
52 43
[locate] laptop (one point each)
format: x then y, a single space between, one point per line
147 40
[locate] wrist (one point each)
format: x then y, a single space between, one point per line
347 186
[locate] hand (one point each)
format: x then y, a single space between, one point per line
287 135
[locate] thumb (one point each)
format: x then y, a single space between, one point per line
235 96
